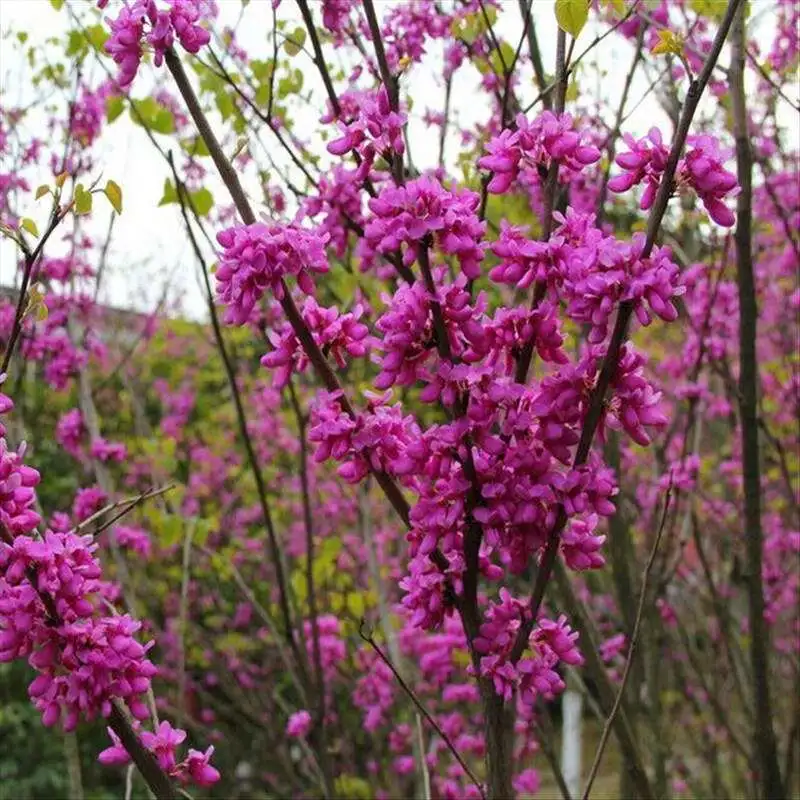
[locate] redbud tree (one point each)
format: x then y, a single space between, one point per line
495 390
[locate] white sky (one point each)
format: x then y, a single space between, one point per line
150 246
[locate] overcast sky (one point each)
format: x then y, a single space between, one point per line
149 246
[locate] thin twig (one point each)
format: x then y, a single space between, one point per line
631 650
31 257
368 638
275 551
129 502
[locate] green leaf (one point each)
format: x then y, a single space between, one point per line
76 44
170 194
152 115
163 121
29 225
171 531
507 52
225 105
262 70
57 4
195 146
353 788
114 107
202 201
97 36
42 191
294 42
356 604
572 15
114 195
83 200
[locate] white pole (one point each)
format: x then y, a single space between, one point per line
571 743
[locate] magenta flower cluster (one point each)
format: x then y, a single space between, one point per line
258 257
502 463
404 216
701 169
52 612
143 23
339 335
194 768
536 144
535 675
374 130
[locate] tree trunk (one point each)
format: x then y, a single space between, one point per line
499 731
764 745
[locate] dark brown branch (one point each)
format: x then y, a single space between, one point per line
315 355
156 779
620 332
764 743
389 80
319 59
320 731
536 53
30 257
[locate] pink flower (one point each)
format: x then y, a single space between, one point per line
338 335
87 502
184 15
116 755
196 768
375 131
335 15
125 42
162 744
527 782
405 215
106 451
700 169
258 257
299 724
535 144
135 539
128 33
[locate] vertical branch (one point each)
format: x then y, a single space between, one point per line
73 757
389 80
308 520
764 734
634 641
155 778
183 617
241 418
536 53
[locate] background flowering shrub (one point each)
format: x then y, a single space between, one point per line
453 437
